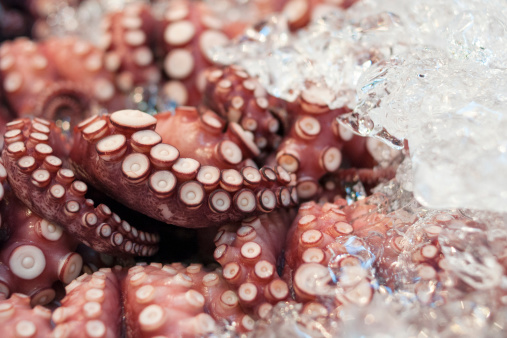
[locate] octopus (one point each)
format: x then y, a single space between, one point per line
230 162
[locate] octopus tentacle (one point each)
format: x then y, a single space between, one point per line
239 98
128 40
188 31
312 147
221 301
83 64
249 255
315 243
39 180
227 150
64 102
161 300
429 270
25 71
36 254
90 307
18 319
121 154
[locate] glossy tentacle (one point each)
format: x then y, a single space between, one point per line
129 39
249 254
38 178
319 241
91 307
36 253
312 146
122 155
237 97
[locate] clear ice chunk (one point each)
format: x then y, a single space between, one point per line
430 73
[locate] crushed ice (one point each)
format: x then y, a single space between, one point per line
430 72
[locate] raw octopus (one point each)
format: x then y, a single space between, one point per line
229 158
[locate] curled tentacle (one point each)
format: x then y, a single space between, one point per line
239 98
128 41
18 319
25 71
122 155
63 102
90 307
189 30
85 65
38 178
35 254
205 140
249 255
161 300
221 301
312 147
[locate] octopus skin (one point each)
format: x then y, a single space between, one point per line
249 254
315 244
19 319
161 300
39 81
148 301
25 71
121 154
232 149
312 146
239 98
91 307
187 32
36 253
195 301
39 180
129 41
415 261
85 66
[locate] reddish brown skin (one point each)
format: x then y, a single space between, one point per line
67 205
202 19
106 172
261 236
75 88
130 58
58 79
238 97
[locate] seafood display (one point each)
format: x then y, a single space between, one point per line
252 168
